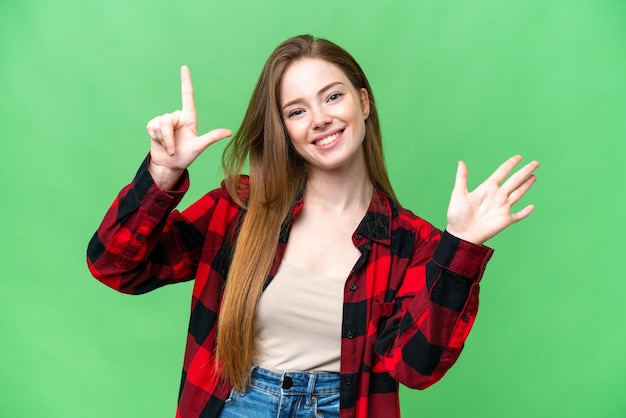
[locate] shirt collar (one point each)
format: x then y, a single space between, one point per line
376 223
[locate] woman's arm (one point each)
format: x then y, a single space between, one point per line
143 243
434 309
436 304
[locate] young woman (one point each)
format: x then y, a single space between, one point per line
315 292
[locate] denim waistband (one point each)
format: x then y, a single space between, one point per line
296 383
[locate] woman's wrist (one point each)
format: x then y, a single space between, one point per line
164 177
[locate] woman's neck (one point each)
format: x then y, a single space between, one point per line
339 191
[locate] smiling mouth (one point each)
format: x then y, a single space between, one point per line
328 140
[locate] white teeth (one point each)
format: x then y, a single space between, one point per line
328 139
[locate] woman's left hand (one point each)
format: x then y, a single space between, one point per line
483 213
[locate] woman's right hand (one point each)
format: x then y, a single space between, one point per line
174 140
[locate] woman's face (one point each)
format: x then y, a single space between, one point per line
324 114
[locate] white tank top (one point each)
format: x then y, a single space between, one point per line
298 322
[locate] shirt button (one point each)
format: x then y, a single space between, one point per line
358 236
161 203
348 380
465 318
350 335
353 287
139 237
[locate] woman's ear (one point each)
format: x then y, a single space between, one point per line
365 103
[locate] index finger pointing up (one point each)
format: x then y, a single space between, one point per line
187 89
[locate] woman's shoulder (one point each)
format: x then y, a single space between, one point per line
236 189
407 219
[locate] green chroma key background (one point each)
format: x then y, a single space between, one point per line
476 80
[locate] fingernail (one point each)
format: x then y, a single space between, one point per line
170 150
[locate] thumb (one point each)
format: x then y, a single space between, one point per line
204 141
460 183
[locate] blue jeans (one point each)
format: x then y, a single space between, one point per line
288 394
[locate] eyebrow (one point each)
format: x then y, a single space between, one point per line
299 99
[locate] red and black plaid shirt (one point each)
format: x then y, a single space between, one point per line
409 302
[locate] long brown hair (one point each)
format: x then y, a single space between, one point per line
277 173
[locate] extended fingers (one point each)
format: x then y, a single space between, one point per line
187 89
517 186
516 217
520 177
505 168
521 190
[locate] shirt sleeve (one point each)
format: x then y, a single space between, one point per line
434 310
143 243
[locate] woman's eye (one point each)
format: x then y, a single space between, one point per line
334 96
296 112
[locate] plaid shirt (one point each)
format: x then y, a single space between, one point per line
409 302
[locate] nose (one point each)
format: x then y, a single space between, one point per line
321 119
